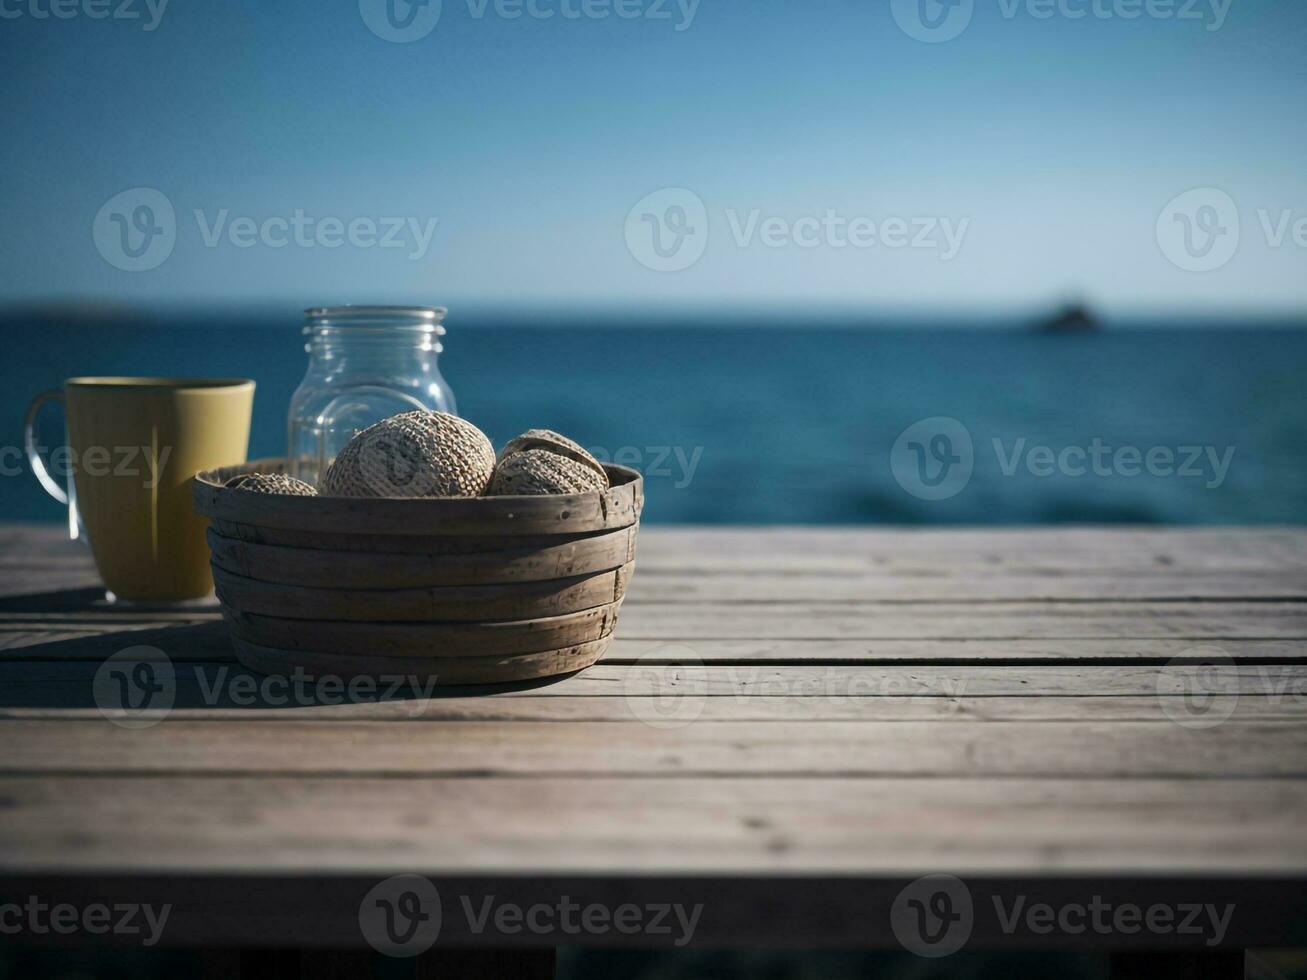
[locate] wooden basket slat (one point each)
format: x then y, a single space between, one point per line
519 600
394 544
430 641
449 670
354 570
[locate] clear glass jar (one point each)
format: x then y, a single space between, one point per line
365 363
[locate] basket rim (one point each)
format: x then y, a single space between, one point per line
619 506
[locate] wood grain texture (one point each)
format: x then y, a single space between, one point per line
431 641
965 621
529 750
746 825
67 684
864 706
456 603
371 570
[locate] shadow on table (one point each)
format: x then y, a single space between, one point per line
134 662
63 600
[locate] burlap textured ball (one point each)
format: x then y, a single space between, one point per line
555 443
415 454
271 483
542 461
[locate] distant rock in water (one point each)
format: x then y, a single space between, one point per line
1076 318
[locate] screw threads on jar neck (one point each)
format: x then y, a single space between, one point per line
362 330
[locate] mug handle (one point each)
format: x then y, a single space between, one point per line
42 473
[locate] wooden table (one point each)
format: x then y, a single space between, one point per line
793 728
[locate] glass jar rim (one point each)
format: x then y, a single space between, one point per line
422 314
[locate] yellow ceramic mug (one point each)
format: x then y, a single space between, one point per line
133 446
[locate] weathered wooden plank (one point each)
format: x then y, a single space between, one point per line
628 826
1031 652
1067 548
1107 620
923 552
762 707
60 685
954 583
534 749
209 642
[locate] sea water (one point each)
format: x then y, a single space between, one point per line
807 422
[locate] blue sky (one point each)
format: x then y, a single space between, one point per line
1047 144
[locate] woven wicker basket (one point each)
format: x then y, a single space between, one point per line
456 590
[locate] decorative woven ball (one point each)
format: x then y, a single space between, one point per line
552 441
536 471
414 454
271 483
